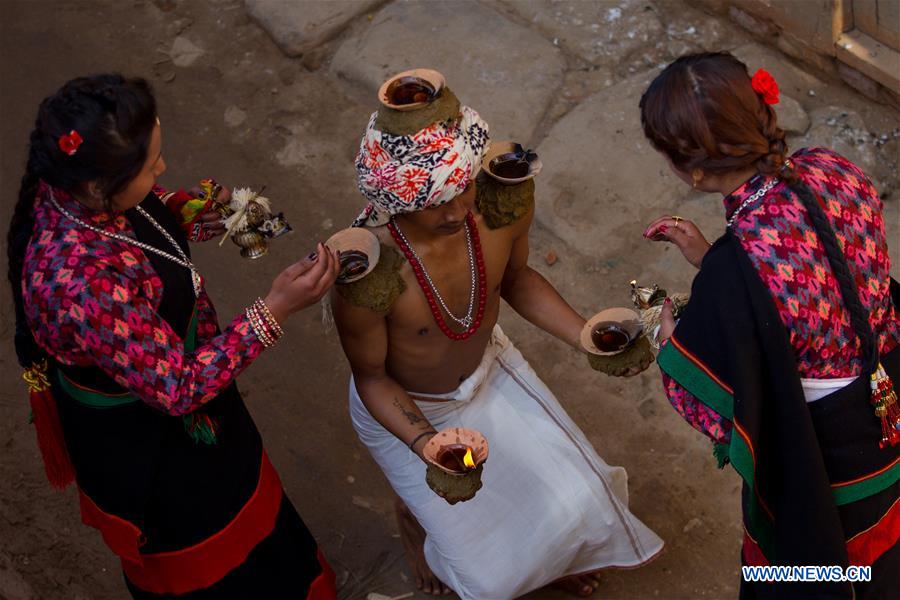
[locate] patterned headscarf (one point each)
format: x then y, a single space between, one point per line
407 173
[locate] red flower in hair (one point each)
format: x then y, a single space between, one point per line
70 142
764 84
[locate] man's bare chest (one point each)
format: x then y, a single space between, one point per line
454 275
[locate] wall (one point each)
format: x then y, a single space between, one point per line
822 33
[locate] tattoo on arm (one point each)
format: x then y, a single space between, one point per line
412 417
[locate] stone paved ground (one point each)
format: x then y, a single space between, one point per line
276 92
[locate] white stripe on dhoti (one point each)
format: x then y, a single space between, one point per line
549 506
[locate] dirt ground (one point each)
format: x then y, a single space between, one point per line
236 108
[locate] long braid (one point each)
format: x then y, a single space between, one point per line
703 113
21 226
858 315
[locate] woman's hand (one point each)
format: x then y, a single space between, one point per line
304 283
213 225
211 222
666 322
221 194
683 233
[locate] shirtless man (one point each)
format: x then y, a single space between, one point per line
551 501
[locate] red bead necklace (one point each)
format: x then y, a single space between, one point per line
419 272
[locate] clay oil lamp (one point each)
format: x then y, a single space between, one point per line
510 163
455 461
611 331
358 251
411 90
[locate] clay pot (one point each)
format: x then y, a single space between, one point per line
451 484
356 239
428 81
497 150
622 320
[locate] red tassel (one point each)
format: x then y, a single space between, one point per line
57 463
884 399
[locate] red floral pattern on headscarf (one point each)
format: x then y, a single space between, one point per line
400 174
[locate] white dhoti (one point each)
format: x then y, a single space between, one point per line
549 506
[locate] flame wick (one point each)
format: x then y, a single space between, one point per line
467 459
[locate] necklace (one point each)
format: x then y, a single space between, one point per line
465 321
435 300
751 199
183 260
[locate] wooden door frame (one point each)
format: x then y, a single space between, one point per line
864 53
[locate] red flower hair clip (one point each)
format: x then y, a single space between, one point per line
764 84
70 142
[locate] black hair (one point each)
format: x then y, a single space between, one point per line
114 117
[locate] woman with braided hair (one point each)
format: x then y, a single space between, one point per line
786 351
131 378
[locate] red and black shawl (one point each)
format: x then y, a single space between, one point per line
818 489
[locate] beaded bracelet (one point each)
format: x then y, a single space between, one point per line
259 328
264 323
268 320
263 309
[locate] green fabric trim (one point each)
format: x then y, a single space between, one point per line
868 487
704 388
190 341
92 398
758 524
720 452
200 428
692 378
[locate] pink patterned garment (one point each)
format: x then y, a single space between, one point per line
700 416
92 300
782 244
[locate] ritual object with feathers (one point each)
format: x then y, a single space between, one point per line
249 222
649 302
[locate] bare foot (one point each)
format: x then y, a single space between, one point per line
579 585
413 537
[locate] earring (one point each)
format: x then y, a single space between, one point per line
696 178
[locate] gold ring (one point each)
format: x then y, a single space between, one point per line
677 220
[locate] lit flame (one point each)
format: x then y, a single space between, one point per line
467 459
